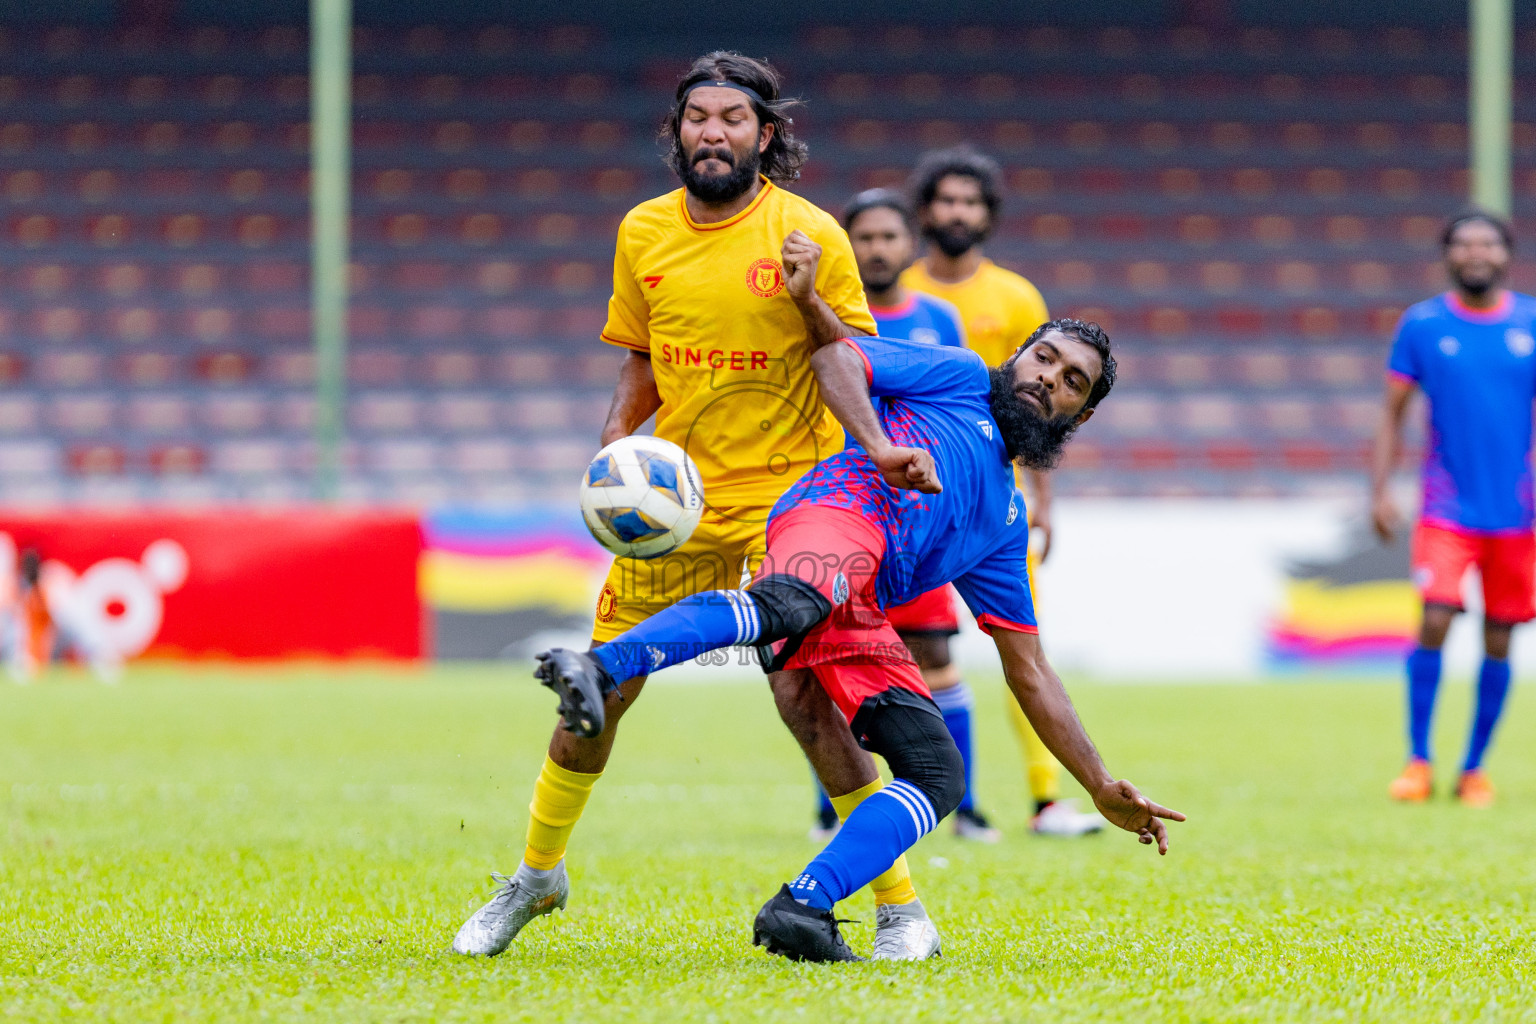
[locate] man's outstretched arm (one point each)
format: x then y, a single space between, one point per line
842 375
635 399
1039 692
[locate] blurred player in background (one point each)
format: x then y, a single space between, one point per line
722 289
957 194
1470 351
879 226
28 625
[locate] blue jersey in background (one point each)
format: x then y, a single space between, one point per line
975 533
1478 371
922 318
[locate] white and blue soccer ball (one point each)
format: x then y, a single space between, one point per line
641 497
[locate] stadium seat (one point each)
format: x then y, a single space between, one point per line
97 459
465 414
19 414
384 412
28 458
178 459
235 413
158 414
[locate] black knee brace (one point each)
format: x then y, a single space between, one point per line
907 730
789 608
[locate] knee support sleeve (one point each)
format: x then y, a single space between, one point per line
788 608
908 731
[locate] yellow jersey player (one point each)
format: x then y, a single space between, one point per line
722 289
956 194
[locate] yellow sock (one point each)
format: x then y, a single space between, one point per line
559 797
894 885
1040 764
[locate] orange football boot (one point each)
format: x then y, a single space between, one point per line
1474 789
1414 785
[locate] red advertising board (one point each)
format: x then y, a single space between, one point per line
233 584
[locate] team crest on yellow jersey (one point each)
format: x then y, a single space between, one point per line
765 277
607 604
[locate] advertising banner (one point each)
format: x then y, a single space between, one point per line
227 584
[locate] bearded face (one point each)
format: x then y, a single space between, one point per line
715 187
954 239
1033 436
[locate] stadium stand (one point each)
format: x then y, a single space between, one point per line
1248 211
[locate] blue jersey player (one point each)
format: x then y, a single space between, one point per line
1471 352
879 226
922 496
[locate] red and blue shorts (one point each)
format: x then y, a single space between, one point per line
933 612
855 653
1506 562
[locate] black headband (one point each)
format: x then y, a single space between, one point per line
747 89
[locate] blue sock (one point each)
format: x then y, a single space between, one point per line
955 705
1423 681
878 831
1492 688
696 624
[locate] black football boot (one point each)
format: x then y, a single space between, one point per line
786 927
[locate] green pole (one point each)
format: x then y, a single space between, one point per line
330 102
1492 38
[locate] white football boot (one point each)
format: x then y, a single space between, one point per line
515 902
904 932
1062 818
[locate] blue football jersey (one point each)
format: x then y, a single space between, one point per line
1478 371
921 318
975 533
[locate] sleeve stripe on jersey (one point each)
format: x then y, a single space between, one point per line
638 346
987 622
869 369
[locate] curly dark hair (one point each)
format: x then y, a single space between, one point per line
1478 216
1084 331
785 155
967 161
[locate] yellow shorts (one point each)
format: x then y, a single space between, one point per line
723 553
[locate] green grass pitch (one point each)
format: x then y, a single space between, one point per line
241 845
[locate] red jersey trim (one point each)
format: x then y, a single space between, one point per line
902 309
987 622
869 368
1481 316
637 346
682 206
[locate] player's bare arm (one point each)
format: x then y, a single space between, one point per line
845 390
1039 692
801 256
1384 455
1040 507
635 399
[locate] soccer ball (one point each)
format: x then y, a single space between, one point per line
641 497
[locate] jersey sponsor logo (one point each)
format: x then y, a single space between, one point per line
924 336
1519 342
839 589
1449 345
658 656
986 427
765 277
653 280
607 603
1013 508
715 358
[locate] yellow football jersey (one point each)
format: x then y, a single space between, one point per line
998 307
728 347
